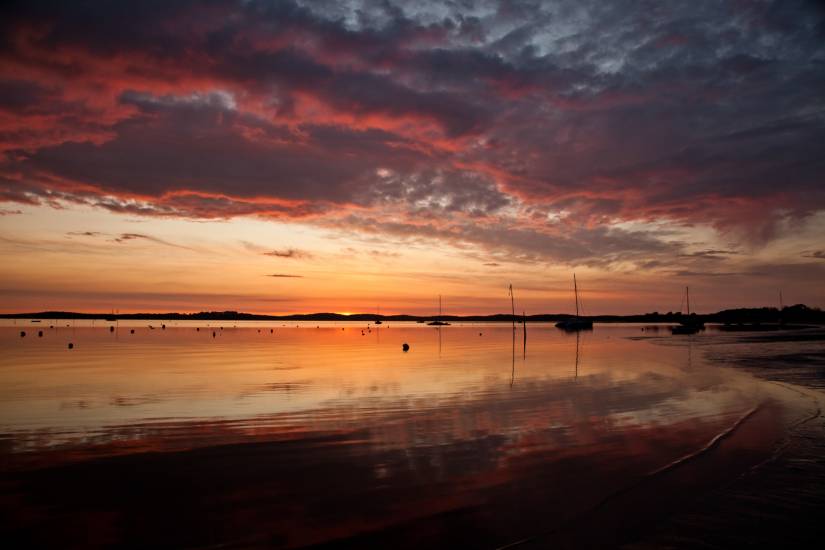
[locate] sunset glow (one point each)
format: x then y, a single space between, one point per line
288 157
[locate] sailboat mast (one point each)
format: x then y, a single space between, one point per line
439 306
576 293
512 307
687 295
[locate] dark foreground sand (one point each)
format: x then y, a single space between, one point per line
720 501
781 503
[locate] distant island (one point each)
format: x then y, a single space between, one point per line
799 313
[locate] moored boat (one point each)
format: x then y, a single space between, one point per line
575 323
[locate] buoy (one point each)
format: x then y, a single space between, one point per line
213 334
51 326
40 334
71 346
479 334
406 347
132 331
197 329
271 331
22 334
162 327
111 329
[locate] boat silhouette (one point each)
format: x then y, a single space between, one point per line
577 322
691 325
438 322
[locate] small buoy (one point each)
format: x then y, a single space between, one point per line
111 329
221 328
71 346
132 331
213 334
22 334
259 331
271 331
198 329
40 334
406 347
51 326
162 327
479 334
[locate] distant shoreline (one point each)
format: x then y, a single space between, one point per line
792 314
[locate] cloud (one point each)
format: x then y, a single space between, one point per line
533 129
292 253
125 237
818 254
283 275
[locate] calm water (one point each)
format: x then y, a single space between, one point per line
293 435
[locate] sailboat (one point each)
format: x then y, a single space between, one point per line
438 322
378 321
577 322
688 326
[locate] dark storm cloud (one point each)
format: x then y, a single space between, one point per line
440 120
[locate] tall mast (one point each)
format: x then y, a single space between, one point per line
687 295
513 306
781 306
439 306
576 292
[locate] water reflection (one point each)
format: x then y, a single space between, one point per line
577 355
297 435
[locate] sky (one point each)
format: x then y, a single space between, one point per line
287 156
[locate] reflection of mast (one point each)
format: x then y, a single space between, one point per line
513 371
577 355
524 327
690 353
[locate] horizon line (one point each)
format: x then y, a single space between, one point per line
103 315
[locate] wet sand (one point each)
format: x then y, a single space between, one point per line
780 502
628 445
